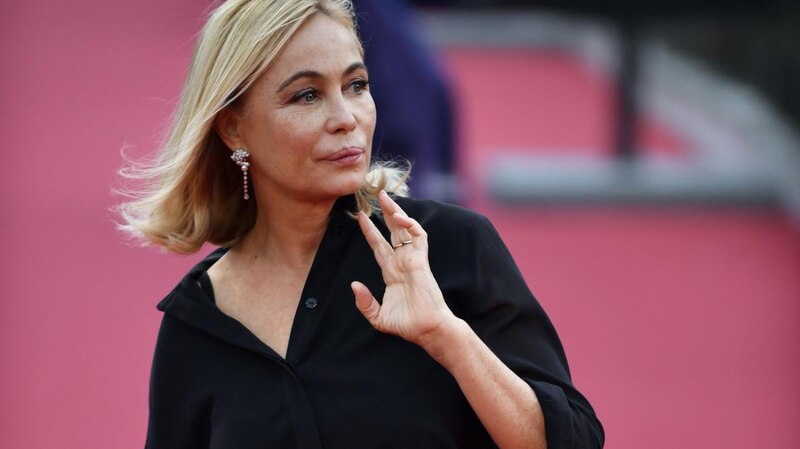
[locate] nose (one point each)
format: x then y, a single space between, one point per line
341 115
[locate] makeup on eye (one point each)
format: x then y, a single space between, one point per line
311 94
305 95
359 85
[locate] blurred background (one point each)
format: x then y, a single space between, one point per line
641 161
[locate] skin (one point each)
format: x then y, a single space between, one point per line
292 124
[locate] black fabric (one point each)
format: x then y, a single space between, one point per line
344 385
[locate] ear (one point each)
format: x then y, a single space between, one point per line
226 124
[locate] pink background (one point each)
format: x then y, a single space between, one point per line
681 325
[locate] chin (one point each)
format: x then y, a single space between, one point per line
342 187
352 187
354 181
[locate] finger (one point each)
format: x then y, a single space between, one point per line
366 303
413 228
388 205
380 247
390 210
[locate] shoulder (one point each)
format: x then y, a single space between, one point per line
457 233
189 289
439 218
457 237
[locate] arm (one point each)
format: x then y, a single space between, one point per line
413 308
508 360
505 404
508 318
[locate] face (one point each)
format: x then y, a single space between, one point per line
308 120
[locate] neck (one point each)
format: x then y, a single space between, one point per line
286 229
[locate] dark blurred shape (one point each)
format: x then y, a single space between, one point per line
756 42
640 8
625 144
413 100
629 18
762 50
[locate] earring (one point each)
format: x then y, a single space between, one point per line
240 157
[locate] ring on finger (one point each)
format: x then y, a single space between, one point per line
401 244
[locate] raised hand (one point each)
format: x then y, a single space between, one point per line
412 307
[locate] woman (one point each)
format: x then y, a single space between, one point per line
261 345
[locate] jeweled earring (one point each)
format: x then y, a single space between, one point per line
240 157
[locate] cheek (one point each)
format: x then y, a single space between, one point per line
370 115
292 137
280 155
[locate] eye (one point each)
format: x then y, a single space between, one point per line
309 97
306 96
359 86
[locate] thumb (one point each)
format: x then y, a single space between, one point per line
366 303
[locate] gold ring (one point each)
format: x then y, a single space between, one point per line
404 243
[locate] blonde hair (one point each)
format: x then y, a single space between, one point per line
191 192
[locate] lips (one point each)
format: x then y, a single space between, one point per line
346 155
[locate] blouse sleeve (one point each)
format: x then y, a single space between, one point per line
178 412
504 313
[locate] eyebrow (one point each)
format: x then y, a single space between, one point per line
312 74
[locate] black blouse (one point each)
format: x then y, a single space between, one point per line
344 385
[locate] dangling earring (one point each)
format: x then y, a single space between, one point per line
240 157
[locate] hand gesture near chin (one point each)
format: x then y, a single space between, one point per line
413 306
414 309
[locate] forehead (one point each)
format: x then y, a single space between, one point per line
321 44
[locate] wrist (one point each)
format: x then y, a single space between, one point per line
445 342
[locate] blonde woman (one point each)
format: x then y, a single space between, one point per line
337 313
